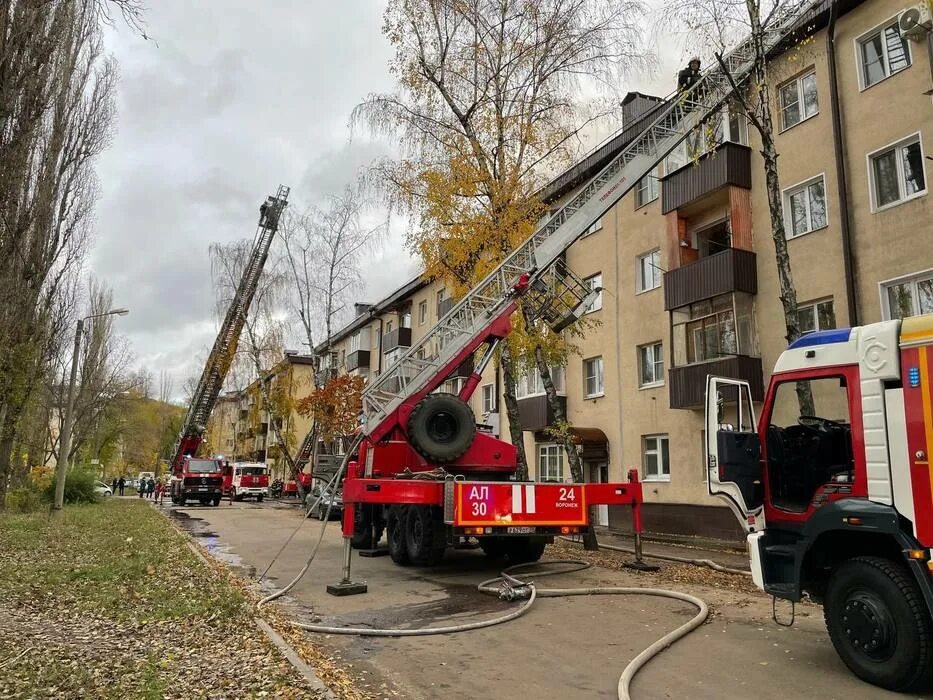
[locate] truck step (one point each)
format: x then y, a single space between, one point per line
782 550
786 591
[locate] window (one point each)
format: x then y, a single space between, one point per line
597 225
595 283
405 321
550 463
388 327
805 207
647 189
489 398
809 440
650 365
882 53
648 272
360 340
910 296
593 377
728 124
453 386
713 328
656 460
816 316
422 313
394 355
896 173
532 384
798 100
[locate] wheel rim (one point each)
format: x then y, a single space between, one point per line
869 626
443 427
417 532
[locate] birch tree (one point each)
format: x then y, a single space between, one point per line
487 104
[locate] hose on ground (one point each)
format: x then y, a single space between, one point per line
716 566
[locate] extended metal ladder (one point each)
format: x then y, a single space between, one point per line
221 356
468 318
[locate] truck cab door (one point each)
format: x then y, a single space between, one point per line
733 449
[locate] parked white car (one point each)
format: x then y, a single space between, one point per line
102 489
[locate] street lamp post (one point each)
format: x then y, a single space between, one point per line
61 466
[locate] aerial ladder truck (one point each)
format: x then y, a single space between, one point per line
193 477
422 473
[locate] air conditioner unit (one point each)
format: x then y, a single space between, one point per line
916 22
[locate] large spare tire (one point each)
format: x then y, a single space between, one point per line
442 427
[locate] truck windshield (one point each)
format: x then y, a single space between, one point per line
253 471
202 466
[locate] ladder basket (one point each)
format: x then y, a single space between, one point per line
559 297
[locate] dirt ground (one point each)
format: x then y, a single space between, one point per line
563 648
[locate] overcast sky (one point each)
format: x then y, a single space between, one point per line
227 101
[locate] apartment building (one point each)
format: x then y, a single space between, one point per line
686 263
243 428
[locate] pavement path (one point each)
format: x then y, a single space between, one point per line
563 648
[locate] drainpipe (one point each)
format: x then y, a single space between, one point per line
379 368
842 183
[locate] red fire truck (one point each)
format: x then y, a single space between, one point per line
246 479
197 479
834 485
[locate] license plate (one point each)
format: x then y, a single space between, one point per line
520 530
203 488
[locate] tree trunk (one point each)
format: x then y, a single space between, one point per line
6 452
511 411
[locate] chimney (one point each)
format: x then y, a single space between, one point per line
360 308
636 105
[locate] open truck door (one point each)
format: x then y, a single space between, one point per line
733 449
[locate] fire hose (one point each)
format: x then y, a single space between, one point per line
506 586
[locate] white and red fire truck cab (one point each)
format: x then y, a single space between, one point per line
249 480
834 486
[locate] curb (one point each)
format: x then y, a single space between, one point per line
315 684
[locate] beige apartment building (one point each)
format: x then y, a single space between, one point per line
687 265
242 428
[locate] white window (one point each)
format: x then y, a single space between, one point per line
656 460
816 316
650 365
896 173
798 100
388 327
422 313
597 225
405 321
394 355
593 377
908 296
532 384
453 386
647 189
595 283
882 53
805 207
648 271
550 463
359 340
489 398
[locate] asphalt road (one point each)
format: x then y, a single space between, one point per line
564 648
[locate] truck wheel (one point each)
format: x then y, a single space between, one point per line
879 624
424 535
395 534
524 550
441 427
493 547
259 498
362 537
216 501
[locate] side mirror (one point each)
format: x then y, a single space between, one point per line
720 407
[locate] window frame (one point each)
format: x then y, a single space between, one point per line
912 279
813 306
594 227
803 186
558 378
422 312
597 304
546 447
639 288
871 156
658 452
640 189
801 102
491 405
600 376
861 40
658 352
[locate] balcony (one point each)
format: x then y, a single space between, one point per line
729 164
358 360
535 413
396 338
443 306
732 270
688 383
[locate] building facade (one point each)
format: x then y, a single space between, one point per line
686 263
